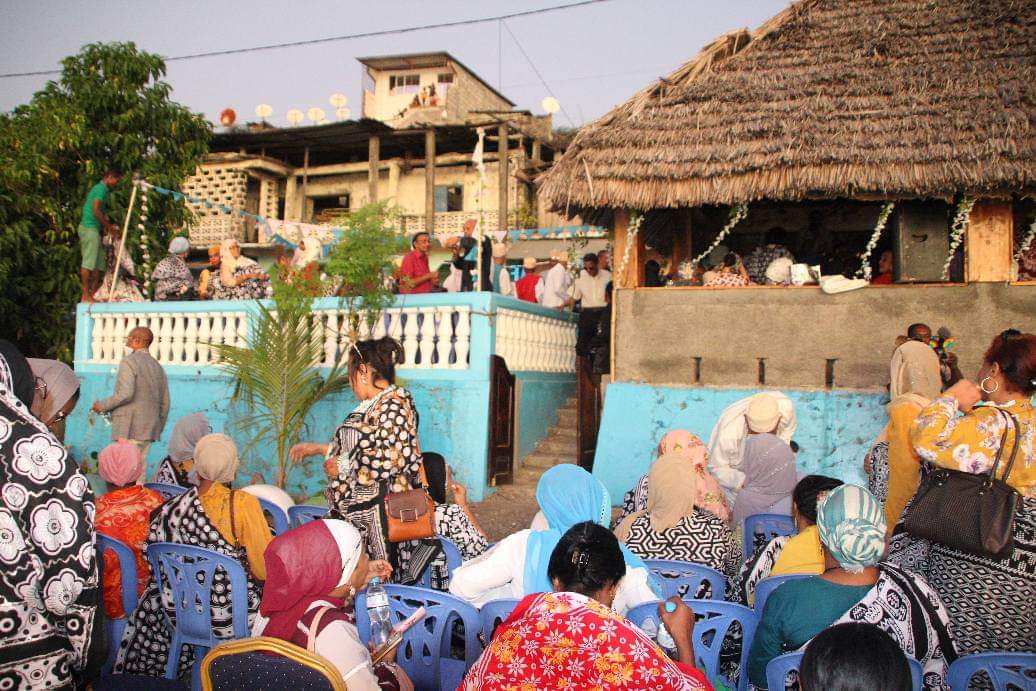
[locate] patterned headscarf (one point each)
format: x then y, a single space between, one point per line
852 527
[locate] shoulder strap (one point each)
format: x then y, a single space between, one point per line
1014 448
233 529
314 628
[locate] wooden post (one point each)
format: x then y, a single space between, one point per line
503 179
373 164
429 181
536 151
305 184
989 241
622 222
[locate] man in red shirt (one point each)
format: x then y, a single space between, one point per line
526 287
414 274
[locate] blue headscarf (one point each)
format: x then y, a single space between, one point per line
567 495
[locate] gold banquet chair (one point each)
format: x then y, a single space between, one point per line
245 665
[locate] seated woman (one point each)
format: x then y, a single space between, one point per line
708 494
769 472
313 574
570 636
124 513
176 467
454 521
730 274
672 527
208 280
854 657
212 516
799 553
517 565
172 277
57 393
240 277
854 587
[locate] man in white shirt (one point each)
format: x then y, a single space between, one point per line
499 277
764 413
589 291
557 282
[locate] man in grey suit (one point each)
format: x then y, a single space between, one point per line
140 404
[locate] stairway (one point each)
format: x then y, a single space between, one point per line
560 445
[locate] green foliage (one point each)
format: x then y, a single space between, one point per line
276 374
108 109
361 264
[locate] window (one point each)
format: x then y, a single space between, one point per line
446 78
327 208
443 82
449 198
404 83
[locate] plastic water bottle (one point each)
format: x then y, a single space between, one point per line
380 614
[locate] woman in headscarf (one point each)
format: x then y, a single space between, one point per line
176 467
209 283
893 467
124 513
454 520
127 289
570 636
240 277
310 250
172 277
855 587
313 575
707 493
769 468
57 393
212 516
517 565
730 274
673 527
49 593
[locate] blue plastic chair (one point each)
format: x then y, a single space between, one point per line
189 572
277 516
304 513
765 588
685 580
493 613
425 653
778 669
1005 670
453 562
769 525
128 571
713 626
167 491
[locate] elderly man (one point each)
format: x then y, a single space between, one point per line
469 257
414 274
764 413
557 282
140 404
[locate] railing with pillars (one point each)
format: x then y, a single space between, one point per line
438 332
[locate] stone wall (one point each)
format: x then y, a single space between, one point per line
221 185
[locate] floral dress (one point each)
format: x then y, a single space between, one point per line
252 289
125 515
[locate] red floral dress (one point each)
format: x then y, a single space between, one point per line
125 515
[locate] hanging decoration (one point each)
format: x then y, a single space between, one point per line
736 215
145 252
1023 246
865 259
957 230
636 220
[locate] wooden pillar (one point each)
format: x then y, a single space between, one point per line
305 183
429 181
989 241
632 275
503 178
373 164
536 151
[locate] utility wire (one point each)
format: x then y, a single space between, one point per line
346 37
533 66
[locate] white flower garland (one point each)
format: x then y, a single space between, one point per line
957 230
736 215
636 219
1030 236
865 258
145 253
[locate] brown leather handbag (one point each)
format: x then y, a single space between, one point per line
410 515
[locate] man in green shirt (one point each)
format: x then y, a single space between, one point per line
92 223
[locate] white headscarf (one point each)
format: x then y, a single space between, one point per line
312 252
349 546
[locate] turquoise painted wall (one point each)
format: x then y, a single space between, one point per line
835 428
541 396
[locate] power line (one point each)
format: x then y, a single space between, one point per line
346 37
533 66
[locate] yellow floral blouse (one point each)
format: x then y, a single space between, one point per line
970 441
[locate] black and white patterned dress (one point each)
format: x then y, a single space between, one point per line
145 644
700 538
878 478
451 522
758 567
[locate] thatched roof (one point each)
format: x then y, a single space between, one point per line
828 99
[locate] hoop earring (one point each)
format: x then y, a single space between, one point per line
364 381
982 385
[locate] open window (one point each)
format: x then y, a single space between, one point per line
449 198
404 84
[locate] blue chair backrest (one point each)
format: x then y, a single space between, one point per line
167 491
189 572
765 588
426 651
778 669
1005 670
493 613
453 562
769 526
304 513
685 580
276 514
128 574
713 622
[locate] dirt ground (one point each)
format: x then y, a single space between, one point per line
510 508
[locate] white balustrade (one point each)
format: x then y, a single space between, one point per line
410 334
535 343
426 344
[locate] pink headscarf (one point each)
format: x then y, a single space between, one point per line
709 496
120 463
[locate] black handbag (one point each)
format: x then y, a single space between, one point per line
969 512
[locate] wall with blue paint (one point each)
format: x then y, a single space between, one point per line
541 396
835 427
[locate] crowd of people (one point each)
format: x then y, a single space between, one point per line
871 592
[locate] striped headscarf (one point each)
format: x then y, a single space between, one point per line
852 527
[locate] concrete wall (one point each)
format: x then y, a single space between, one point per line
659 331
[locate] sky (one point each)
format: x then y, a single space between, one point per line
592 57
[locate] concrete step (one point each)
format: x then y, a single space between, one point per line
568 418
543 461
570 404
558 446
557 432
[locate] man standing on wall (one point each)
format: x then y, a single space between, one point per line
589 292
140 404
92 222
414 275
